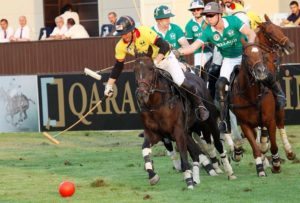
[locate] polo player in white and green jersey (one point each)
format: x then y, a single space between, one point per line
225 33
168 31
193 30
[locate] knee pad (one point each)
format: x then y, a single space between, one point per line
220 88
221 83
214 70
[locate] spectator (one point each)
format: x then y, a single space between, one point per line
295 15
59 30
23 32
5 32
68 12
75 31
109 29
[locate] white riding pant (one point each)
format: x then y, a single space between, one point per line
217 57
228 65
200 59
171 65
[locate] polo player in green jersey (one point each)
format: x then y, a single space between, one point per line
168 31
226 34
193 30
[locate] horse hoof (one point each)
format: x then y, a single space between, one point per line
262 174
276 169
190 187
212 173
291 155
218 171
154 180
232 177
236 158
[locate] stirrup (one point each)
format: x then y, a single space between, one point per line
202 113
223 127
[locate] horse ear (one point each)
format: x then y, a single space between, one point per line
259 23
150 51
267 18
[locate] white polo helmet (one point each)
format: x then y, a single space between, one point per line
196 4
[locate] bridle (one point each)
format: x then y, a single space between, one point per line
275 43
251 67
145 86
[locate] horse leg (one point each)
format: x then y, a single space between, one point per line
250 135
181 143
146 151
211 151
274 148
25 115
172 154
280 125
264 140
212 126
194 151
237 151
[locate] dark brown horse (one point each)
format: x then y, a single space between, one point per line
275 44
166 116
254 104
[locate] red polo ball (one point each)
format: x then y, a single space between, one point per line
66 189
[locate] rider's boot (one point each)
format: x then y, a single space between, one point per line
221 97
276 89
213 75
202 113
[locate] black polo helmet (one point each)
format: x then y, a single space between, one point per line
124 25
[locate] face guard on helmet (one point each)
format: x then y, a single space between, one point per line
124 25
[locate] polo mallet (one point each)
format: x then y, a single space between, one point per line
53 138
96 74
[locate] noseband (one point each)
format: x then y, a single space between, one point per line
246 58
146 86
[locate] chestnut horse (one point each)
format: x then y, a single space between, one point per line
254 104
166 116
274 45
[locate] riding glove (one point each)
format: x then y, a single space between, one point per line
109 91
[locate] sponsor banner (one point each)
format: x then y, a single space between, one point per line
18 104
290 83
64 99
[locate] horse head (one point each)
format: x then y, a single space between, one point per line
274 37
145 75
253 61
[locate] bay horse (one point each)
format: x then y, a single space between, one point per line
254 104
275 44
166 116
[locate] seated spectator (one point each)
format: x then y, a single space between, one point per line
68 12
23 32
295 15
5 32
75 31
59 30
109 29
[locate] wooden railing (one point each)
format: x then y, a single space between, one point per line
65 56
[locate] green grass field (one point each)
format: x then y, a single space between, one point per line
108 167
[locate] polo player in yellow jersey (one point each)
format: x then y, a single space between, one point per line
139 39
